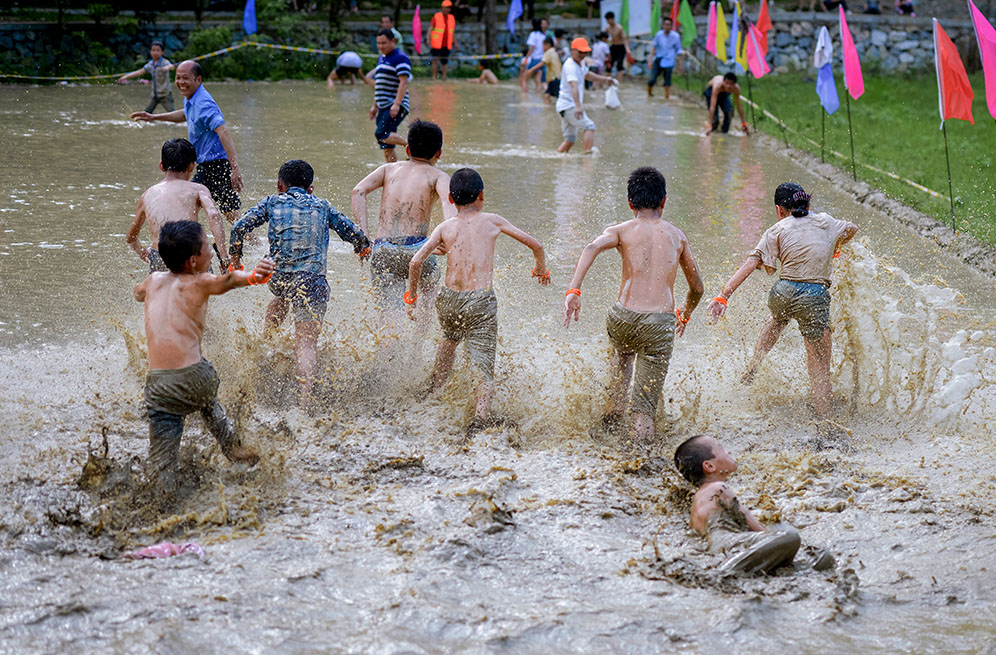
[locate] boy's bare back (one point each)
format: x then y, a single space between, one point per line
652 251
409 190
714 497
469 243
176 200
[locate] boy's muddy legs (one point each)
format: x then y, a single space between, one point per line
276 312
390 156
770 333
643 429
224 432
818 362
485 393
444 363
305 352
622 373
165 431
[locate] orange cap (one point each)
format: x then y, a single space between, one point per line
581 44
447 3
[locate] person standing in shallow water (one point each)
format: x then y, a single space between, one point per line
391 77
217 167
805 244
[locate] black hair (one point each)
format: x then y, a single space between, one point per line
297 172
177 155
178 242
536 24
549 41
559 32
387 16
688 458
732 77
485 64
646 188
667 19
791 196
465 186
386 32
158 43
425 139
602 35
609 15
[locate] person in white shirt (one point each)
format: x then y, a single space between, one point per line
534 43
570 102
348 64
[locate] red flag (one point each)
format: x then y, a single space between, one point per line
954 91
854 81
764 26
674 12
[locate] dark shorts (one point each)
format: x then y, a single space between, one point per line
166 101
386 125
216 175
308 294
389 269
342 72
617 54
442 54
656 70
553 88
806 302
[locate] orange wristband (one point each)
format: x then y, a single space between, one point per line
258 278
232 267
544 275
364 253
574 291
721 300
836 254
409 298
683 321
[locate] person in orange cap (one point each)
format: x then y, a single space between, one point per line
569 102
441 37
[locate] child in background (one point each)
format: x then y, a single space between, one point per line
158 69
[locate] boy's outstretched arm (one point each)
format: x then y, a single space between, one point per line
215 285
695 286
131 238
572 303
140 290
443 191
415 268
359 198
128 76
717 308
215 221
539 271
349 233
249 222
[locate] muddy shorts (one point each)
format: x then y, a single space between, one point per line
156 263
171 394
343 72
471 316
650 336
216 175
570 124
806 302
389 268
166 101
754 552
308 294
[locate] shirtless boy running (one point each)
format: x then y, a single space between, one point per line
175 198
731 530
180 380
642 324
410 188
467 306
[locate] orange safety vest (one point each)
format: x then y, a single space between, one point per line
442 30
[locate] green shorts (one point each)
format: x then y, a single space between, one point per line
650 336
471 316
806 302
389 268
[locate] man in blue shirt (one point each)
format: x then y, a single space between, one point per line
217 168
391 76
299 242
663 53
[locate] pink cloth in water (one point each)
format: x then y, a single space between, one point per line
165 549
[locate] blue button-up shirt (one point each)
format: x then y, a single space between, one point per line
299 230
667 47
203 118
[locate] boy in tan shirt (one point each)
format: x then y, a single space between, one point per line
467 306
643 322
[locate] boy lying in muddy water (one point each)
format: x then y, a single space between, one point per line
643 322
180 380
729 529
466 305
174 198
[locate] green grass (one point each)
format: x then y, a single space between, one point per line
896 128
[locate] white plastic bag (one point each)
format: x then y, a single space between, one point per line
612 98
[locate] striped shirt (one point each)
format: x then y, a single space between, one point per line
390 68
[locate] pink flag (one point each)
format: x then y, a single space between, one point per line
711 34
417 30
853 81
755 53
985 36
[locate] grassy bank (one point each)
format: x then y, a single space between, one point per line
896 126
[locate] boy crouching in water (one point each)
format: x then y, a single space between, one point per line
731 530
466 305
642 324
180 380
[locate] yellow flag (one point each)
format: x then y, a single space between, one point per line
741 54
722 33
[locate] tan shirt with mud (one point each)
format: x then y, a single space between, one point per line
804 246
409 190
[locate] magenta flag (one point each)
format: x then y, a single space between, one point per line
853 81
755 53
985 36
417 30
711 34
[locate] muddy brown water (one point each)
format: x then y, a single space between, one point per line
372 527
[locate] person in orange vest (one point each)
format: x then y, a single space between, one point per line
441 37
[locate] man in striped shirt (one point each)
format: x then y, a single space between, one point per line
391 76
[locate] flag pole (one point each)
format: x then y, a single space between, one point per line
850 132
823 135
947 160
750 96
